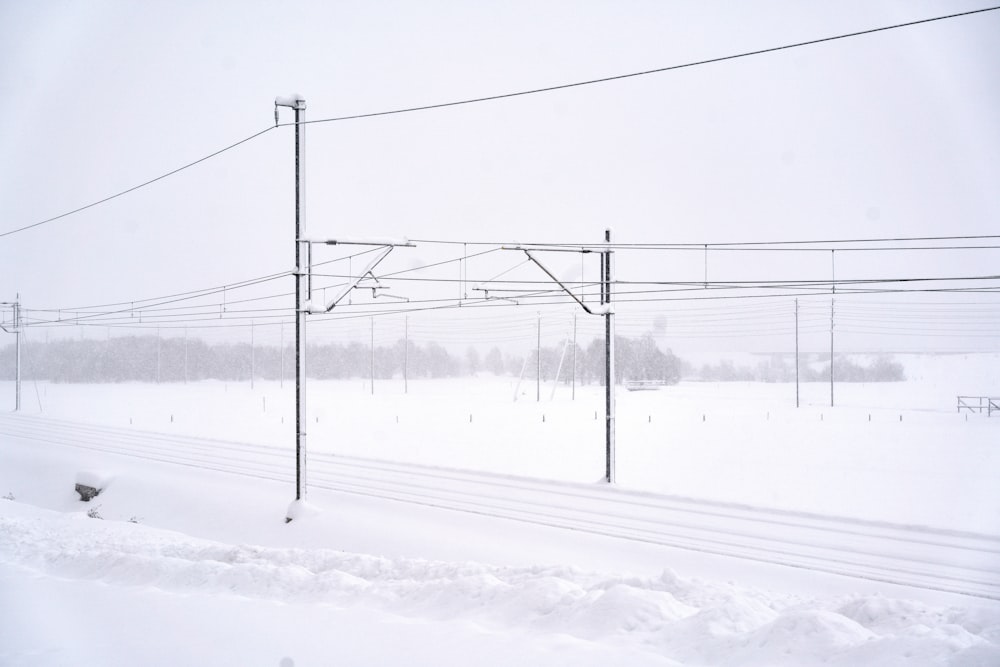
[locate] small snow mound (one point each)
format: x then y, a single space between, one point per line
883 615
94 479
799 637
544 595
737 615
623 608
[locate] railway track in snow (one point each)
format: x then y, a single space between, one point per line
950 561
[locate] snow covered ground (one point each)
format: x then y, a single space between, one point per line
189 565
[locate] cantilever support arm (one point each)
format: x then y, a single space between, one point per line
354 282
388 246
602 310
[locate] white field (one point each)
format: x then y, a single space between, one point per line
897 452
368 581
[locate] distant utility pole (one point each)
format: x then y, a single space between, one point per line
796 353
538 360
185 355
157 355
252 360
833 290
831 352
573 395
281 346
406 351
373 357
17 354
16 330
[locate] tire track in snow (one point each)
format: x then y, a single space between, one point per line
950 561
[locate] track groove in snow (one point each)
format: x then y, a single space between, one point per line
949 561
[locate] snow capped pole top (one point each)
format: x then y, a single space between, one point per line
295 101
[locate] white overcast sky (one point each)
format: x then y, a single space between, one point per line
884 135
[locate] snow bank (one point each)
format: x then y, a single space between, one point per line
689 621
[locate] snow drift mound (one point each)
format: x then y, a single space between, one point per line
686 620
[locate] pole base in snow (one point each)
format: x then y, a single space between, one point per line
299 509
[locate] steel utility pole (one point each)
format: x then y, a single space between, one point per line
297 103
607 310
607 278
373 358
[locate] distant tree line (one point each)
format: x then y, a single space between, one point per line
778 368
153 359
149 359
635 359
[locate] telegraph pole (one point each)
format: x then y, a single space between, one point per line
298 104
157 355
17 345
538 360
833 290
831 352
796 353
251 355
573 395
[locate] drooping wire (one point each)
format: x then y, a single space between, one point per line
137 187
521 93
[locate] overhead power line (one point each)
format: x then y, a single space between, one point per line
749 245
136 187
521 93
658 70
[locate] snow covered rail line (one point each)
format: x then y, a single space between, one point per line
951 561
